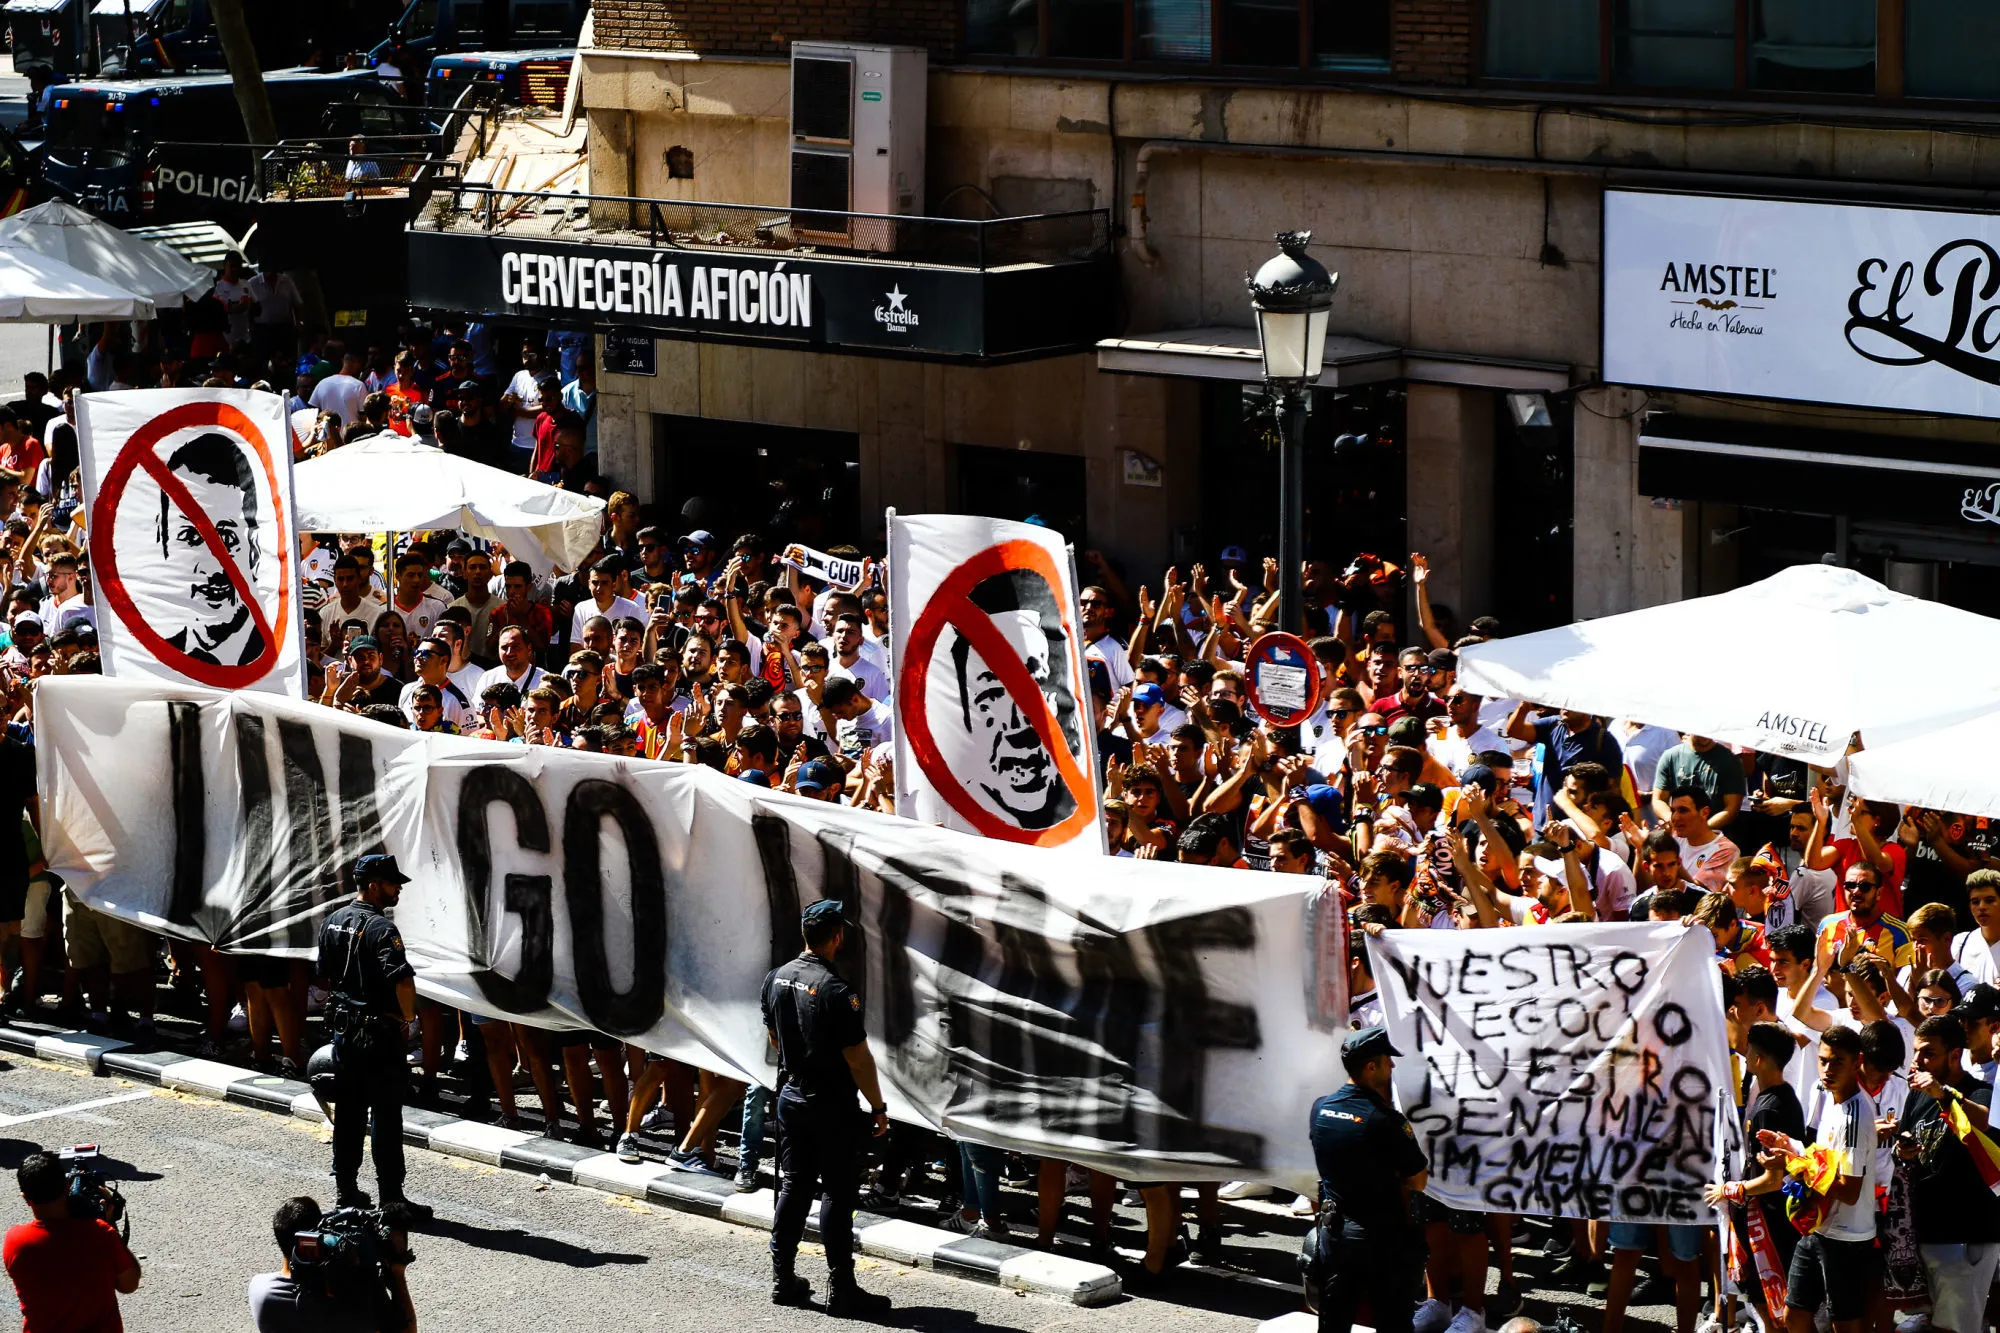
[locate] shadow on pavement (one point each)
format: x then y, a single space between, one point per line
513 1240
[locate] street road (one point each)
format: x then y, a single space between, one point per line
202 1180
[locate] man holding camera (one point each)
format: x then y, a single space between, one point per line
68 1271
309 1293
372 998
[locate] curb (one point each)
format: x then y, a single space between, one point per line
894 1239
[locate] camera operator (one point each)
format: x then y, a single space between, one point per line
69 1271
299 1299
373 997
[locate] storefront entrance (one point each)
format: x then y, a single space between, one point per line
791 483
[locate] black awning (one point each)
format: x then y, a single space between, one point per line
1948 483
799 299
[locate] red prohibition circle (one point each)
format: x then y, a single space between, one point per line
952 605
1262 651
138 453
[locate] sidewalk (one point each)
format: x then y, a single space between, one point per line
893 1239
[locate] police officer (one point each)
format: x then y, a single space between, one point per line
823 1063
1369 1166
372 996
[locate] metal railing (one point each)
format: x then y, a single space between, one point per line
323 168
1040 238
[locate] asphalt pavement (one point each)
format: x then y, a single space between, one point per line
202 1180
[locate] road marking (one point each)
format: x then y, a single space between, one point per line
6 1120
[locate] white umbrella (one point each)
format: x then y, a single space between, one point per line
1794 665
1948 769
35 289
71 236
391 483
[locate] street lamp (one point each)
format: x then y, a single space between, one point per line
1292 296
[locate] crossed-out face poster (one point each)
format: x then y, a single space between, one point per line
189 497
992 700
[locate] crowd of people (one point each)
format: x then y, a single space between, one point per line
1859 943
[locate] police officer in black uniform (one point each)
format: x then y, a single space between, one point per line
1369 1166
372 997
823 1064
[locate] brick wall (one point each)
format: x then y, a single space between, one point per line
769 27
1430 41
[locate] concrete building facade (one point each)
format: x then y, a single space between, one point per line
1453 171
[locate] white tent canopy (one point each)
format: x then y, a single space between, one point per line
35 289
1794 665
1948 769
390 483
68 235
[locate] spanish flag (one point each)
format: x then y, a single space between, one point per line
1810 1173
1984 1153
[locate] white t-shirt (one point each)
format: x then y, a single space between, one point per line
230 293
586 610
341 395
1455 751
1708 864
874 682
1850 1127
858 735
419 619
467 679
1980 959
1643 749
60 615
522 386
332 616
1612 884
1117 667
317 567
455 712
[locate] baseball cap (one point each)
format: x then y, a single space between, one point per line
27 620
472 387
1480 776
701 537
1367 1043
1235 555
366 643
754 775
817 775
824 910
1981 1002
1553 869
377 866
1148 694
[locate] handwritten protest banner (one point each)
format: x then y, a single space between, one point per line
1577 1070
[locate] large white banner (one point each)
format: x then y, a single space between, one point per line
189 496
1150 1020
993 731
1576 1070
1833 303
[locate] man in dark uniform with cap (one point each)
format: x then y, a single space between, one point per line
1369 1166
823 1064
372 996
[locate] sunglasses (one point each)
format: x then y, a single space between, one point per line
424 652
1381 730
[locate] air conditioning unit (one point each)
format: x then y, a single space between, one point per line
858 115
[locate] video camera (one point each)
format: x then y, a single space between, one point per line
91 1196
345 1259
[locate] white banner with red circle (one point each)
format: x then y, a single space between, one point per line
995 729
189 497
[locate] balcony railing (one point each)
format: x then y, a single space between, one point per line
974 243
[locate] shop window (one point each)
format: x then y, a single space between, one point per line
1676 43
1546 41
1175 30
1020 484
1260 32
1001 27
1351 35
1948 48
1084 29
1819 46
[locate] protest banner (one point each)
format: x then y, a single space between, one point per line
993 706
1578 1070
1149 1020
835 571
189 493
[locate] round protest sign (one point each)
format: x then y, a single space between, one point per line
988 693
180 576
1284 678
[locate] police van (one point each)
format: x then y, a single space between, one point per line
173 149
504 78
430 28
